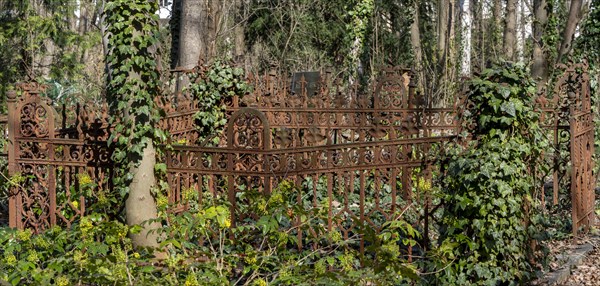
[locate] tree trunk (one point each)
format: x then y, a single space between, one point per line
239 37
140 205
215 11
510 30
442 30
520 31
175 26
525 34
363 13
105 47
415 40
130 93
439 86
572 22
200 23
478 36
452 53
496 47
192 34
466 38
539 66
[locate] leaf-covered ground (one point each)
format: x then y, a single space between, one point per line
561 250
587 273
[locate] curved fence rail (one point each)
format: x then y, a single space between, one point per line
360 151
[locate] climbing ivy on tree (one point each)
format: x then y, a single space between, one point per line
488 203
356 31
133 83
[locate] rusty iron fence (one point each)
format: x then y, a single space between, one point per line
583 182
50 149
3 168
360 153
359 150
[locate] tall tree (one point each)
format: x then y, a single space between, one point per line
415 39
570 26
510 30
539 66
479 36
443 26
238 26
357 32
192 34
466 37
496 29
133 84
196 31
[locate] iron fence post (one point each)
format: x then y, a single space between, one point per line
11 150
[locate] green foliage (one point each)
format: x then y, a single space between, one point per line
552 37
133 84
488 200
298 35
262 246
588 42
213 86
313 35
95 251
39 40
356 30
502 105
388 42
204 247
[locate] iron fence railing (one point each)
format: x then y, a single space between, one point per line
359 150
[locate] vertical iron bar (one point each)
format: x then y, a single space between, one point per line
12 150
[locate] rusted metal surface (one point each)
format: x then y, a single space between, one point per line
3 166
554 119
52 160
583 182
390 110
359 151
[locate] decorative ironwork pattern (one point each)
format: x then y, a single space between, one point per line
583 182
344 114
357 150
54 153
3 161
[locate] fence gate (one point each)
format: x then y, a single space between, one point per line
576 84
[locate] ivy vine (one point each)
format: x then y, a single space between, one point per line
356 32
133 83
213 85
488 201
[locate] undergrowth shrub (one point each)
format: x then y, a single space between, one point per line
263 246
204 247
95 251
489 214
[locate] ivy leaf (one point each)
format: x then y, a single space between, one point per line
508 107
160 168
505 92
